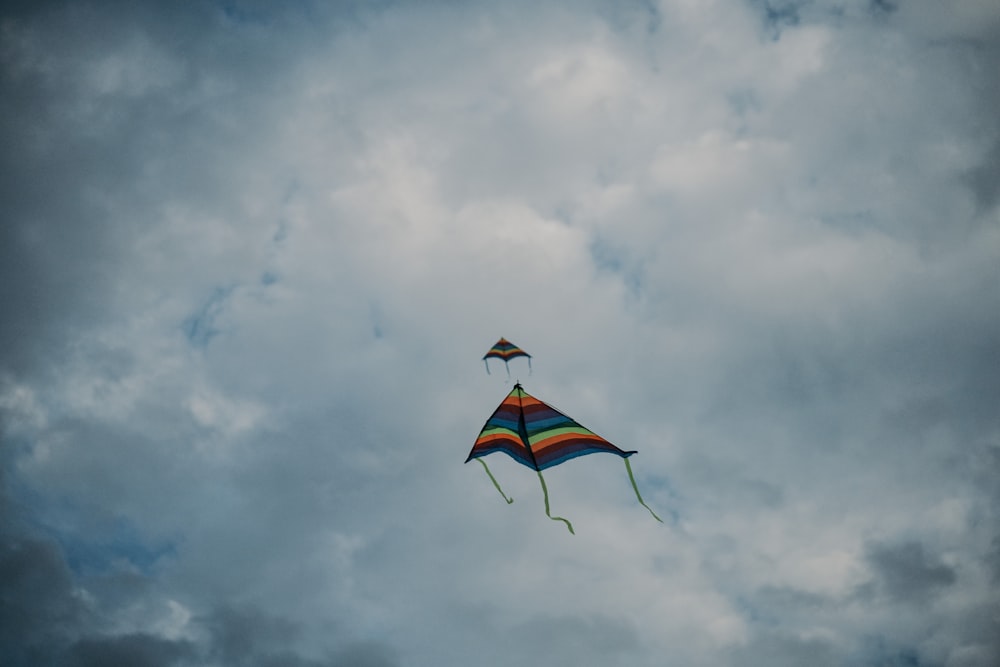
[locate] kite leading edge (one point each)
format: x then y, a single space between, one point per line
538 436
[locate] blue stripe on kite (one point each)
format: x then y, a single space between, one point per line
568 454
559 421
507 449
510 424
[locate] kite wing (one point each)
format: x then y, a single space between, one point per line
504 432
553 437
505 351
537 435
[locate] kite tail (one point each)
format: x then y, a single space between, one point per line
529 365
487 364
495 483
545 492
631 477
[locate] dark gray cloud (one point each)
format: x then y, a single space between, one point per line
993 560
132 649
51 615
38 609
774 649
248 636
983 178
364 654
571 640
907 573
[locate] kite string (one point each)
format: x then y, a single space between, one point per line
495 483
545 492
635 488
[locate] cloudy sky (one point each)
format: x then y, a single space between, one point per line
252 254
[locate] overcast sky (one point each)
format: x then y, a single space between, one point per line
252 254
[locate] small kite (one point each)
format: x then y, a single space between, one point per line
505 350
539 436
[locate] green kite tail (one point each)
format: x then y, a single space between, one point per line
631 477
545 492
495 483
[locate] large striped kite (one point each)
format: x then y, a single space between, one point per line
539 436
505 351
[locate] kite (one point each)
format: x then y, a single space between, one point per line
539 436
505 350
